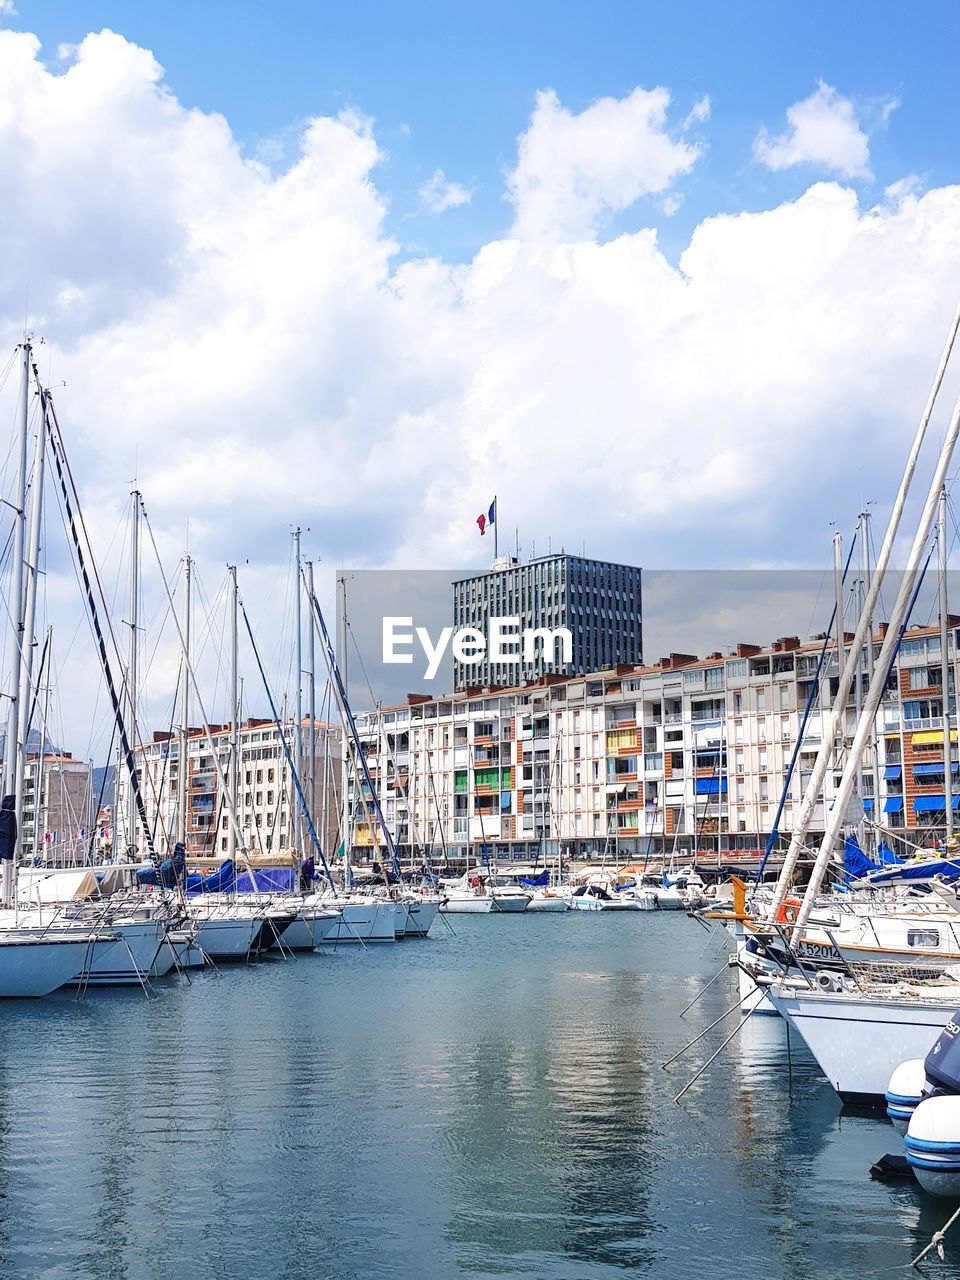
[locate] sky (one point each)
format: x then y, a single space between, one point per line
670 281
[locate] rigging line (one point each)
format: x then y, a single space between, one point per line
210 608
157 787
315 839
351 725
81 523
56 448
208 732
103 789
415 842
812 699
44 656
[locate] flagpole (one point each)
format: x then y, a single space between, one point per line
496 525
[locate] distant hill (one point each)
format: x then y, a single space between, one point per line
105 776
33 743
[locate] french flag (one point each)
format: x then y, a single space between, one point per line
490 518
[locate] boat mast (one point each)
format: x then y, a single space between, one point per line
841 728
812 794
312 710
234 774
13 750
298 696
891 643
346 743
868 679
39 807
130 787
945 664
184 707
31 566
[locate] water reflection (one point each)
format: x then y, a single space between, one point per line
487 1104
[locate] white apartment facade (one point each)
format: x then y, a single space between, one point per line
268 810
689 756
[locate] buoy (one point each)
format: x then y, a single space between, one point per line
788 911
932 1145
904 1092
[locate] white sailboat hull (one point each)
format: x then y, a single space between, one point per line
467 905
420 916
858 1042
309 930
543 902
139 951
223 936
366 922
32 966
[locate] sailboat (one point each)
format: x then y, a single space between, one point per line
33 962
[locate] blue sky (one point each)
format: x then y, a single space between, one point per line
462 79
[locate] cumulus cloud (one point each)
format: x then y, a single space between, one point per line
699 113
8 9
824 132
253 347
438 195
572 170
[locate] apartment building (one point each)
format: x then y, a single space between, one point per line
688 754
268 810
57 806
598 602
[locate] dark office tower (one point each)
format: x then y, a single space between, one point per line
599 603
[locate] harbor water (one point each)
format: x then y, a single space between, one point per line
485 1104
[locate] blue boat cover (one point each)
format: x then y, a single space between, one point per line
855 862
886 855
168 874
535 882
269 880
226 880
919 869
223 880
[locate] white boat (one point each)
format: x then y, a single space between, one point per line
484 894
34 965
860 1037
548 900
364 919
421 913
224 930
466 902
139 952
186 952
601 897
314 924
124 951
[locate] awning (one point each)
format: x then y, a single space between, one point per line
867 803
892 772
927 770
931 736
711 786
931 804
893 804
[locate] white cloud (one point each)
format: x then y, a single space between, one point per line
824 132
250 345
438 195
8 9
699 113
572 170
